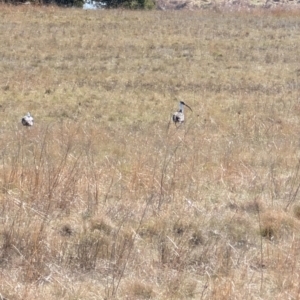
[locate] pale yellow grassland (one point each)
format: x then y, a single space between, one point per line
103 198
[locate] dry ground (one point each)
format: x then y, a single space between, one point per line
228 5
105 199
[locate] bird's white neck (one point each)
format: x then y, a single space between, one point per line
181 106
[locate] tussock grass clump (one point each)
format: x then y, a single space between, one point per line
139 290
101 224
276 225
66 230
297 211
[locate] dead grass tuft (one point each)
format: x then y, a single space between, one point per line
139 290
297 211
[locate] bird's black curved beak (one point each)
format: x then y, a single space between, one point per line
188 106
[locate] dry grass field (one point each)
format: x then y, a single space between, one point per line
104 198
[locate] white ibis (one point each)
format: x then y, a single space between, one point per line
178 116
27 120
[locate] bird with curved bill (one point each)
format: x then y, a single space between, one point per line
27 120
178 116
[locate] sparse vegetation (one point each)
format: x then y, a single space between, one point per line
104 199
